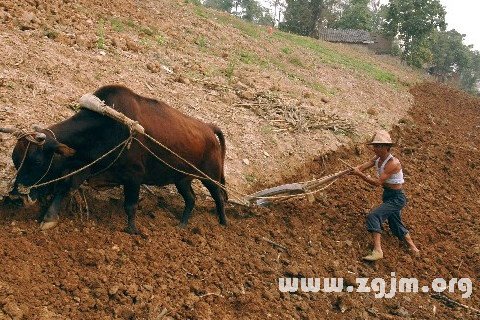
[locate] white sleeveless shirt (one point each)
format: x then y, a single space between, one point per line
396 178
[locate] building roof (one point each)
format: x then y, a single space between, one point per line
347 35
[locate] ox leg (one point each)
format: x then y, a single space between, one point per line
217 196
50 218
131 193
184 187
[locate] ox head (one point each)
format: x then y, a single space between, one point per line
33 156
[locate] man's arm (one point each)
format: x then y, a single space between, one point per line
367 165
390 168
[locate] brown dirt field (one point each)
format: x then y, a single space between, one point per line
86 268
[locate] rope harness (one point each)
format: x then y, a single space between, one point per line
135 127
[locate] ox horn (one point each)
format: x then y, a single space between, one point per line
37 128
15 132
40 137
8 130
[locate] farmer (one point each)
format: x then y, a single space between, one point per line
390 177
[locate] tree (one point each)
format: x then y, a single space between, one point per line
249 10
254 12
298 17
413 21
222 5
356 15
379 13
453 60
470 75
449 54
278 9
305 17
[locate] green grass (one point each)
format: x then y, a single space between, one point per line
201 42
296 62
334 58
247 28
101 34
195 2
252 58
291 41
149 31
266 129
229 70
247 57
159 39
117 25
319 87
313 85
250 178
51 34
201 12
149 35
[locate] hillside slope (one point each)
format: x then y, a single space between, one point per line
280 99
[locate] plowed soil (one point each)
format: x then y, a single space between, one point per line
87 268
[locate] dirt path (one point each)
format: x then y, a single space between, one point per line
86 268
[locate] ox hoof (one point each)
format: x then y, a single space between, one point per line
135 231
48 225
183 225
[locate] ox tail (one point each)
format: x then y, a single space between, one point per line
221 138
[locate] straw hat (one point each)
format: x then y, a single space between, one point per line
381 137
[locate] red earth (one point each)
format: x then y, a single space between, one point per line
87 268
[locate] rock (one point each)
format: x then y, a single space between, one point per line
167 69
153 67
240 86
246 94
191 299
372 111
132 45
246 162
343 303
400 311
28 17
373 311
310 198
132 290
4 16
350 280
307 94
13 310
148 287
182 79
113 290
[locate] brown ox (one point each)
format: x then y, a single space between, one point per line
86 136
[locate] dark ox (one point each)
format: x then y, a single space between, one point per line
86 136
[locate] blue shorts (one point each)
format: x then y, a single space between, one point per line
391 210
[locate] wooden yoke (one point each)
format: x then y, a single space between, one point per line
93 103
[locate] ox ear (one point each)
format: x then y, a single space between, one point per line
64 150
